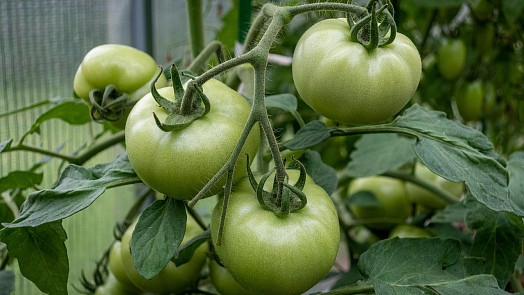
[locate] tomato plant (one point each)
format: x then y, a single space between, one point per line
451 58
353 85
428 199
258 250
172 279
389 205
161 159
129 70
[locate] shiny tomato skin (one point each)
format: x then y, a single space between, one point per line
343 81
268 254
179 163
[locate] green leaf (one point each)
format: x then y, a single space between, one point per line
5 145
516 177
311 134
184 253
474 285
20 179
74 191
323 175
157 235
74 112
420 266
286 102
439 3
460 153
41 255
7 282
364 199
512 9
452 213
498 240
378 153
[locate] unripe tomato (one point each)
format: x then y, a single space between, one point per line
426 198
343 81
408 231
452 58
484 35
114 287
180 162
116 266
130 70
470 100
389 192
269 254
223 281
172 279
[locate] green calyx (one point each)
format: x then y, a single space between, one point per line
376 27
189 105
107 105
283 198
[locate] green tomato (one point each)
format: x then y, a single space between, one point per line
484 35
113 287
223 281
130 70
426 198
393 203
116 266
408 231
470 100
344 82
179 163
267 254
172 279
451 58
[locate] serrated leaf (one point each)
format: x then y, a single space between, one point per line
323 175
420 266
460 153
185 253
512 9
41 255
378 153
5 145
497 239
364 199
157 235
7 282
516 177
76 189
20 179
74 112
311 134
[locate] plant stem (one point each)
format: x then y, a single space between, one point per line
424 184
196 25
99 147
78 160
258 57
199 62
